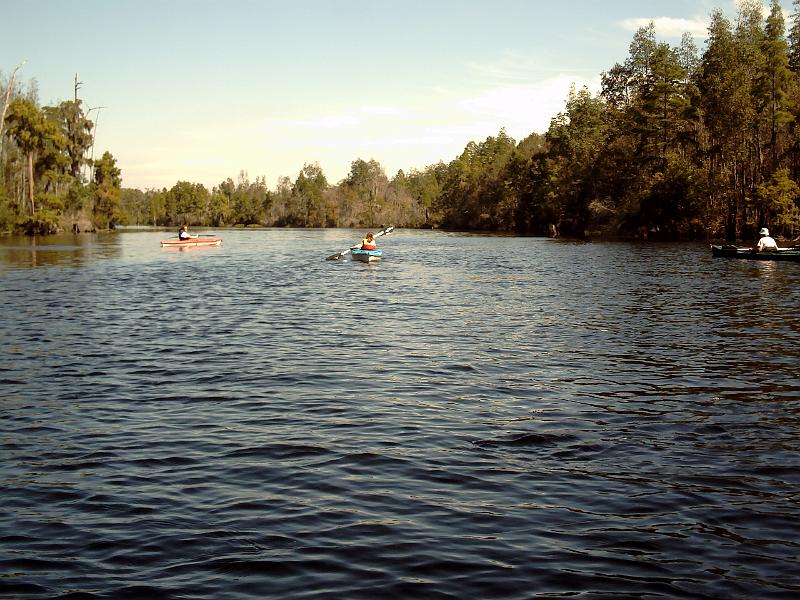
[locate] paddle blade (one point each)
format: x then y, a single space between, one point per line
338 255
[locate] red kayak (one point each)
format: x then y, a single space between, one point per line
191 242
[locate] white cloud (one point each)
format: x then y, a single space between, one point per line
411 134
523 109
669 26
330 122
384 111
419 133
511 68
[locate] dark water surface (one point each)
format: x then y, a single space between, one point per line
474 417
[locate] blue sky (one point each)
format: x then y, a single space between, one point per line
199 90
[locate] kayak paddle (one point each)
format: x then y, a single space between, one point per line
343 253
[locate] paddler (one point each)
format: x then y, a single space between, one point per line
368 243
183 233
766 242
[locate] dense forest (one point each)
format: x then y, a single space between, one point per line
677 144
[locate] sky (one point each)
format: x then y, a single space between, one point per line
203 90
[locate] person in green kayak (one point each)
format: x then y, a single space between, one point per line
766 242
183 233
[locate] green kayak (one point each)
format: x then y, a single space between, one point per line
736 252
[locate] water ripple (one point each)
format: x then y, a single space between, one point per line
590 420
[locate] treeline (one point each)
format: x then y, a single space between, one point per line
677 144
48 176
365 197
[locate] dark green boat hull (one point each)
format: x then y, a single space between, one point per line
791 254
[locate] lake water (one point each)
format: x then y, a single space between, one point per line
473 417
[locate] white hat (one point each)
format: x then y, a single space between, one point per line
764 231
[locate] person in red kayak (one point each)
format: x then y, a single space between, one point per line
368 243
183 233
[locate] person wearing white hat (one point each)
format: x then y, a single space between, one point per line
766 242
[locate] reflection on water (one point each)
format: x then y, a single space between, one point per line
63 249
472 417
